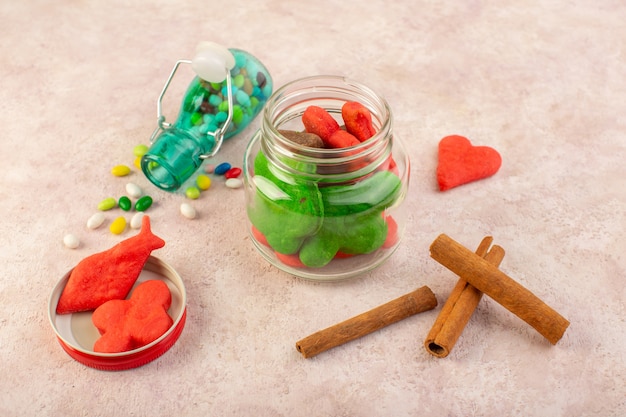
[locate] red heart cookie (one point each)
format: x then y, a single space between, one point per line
460 162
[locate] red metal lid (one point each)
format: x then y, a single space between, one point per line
76 333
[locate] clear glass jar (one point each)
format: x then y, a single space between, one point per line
325 214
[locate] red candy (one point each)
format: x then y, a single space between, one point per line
318 121
232 173
358 120
460 162
341 139
392 233
290 260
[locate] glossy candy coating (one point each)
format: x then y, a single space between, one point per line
120 170
203 182
95 220
118 225
234 183
134 190
192 193
233 173
143 203
136 220
222 168
188 211
140 150
71 241
107 204
124 203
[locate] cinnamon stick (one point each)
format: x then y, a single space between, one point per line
459 307
402 307
497 285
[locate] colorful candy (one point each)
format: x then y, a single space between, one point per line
124 203
188 211
95 220
341 139
134 190
136 220
120 170
310 225
140 150
222 168
358 120
205 106
118 225
71 241
143 203
203 182
234 183
318 121
232 173
107 204
192 193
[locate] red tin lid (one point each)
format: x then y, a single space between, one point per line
77 334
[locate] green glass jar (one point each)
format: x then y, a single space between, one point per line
325 214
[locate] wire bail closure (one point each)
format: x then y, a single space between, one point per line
218 135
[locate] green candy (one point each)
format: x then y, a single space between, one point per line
124 203
353 234
107 204
143 203
318 220
376 192
285 212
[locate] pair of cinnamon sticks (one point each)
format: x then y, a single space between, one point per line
478 273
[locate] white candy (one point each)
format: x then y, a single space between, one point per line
71 241
234 183
135 221
188 211
95 221
134 190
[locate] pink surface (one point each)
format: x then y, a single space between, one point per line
541 82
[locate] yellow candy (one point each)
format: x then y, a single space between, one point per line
120 170
137 162
118 225
140 150
107 204
192 193
203 182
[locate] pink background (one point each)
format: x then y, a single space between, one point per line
543 82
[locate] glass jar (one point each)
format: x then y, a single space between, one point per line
318 213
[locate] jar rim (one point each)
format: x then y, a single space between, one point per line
289 102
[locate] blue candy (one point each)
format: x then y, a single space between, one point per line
222 168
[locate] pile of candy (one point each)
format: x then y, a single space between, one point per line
143 202
310 223
205 107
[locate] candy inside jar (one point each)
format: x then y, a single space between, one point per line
229 91
333 211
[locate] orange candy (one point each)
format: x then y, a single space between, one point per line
318 121
358 120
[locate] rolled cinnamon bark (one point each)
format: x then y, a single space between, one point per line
497 285
459 307
402 307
